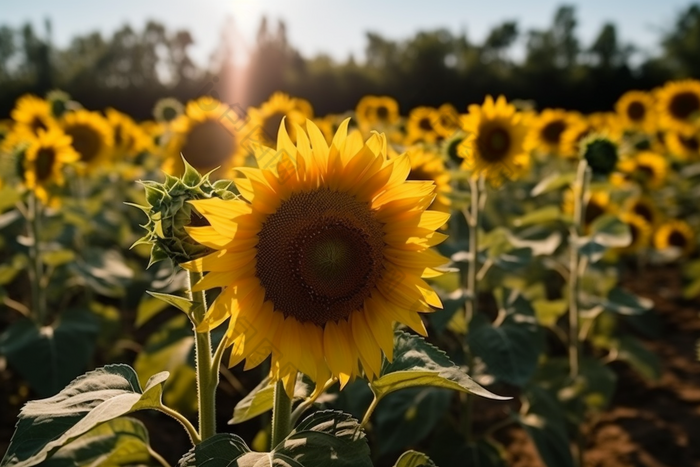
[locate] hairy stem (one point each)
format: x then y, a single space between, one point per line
281 415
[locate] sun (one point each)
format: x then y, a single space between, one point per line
320 255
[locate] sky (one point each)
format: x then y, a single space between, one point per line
337 28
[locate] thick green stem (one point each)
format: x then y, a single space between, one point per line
207 376
281 415
191 431
38 298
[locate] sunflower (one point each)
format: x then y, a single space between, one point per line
168 110
320 255
428 165
546 130
677 234
421 125
644 207
265 120
640 230
91 135
32 114
636 112
447 122
208 135
598 203
648 168
44 160
129 138
684 147
494 141
678 106
374 111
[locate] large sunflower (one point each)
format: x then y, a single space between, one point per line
675 233
266 119
32 114
208 135
320 255
91 135
636 111
130 139
678 106
494 141
44 160
546 131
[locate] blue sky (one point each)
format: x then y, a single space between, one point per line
338 27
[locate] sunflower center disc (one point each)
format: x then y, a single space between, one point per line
209 144
684 104
636 111
677 239
320 255
86 141
552 131
45 159
494 144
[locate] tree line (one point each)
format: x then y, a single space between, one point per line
132 69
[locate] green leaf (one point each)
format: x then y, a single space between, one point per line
10 269
619 301
417 363
414 459
101 395
325 438
105 271
407 417
147 309
119 442
549 311
551 441
180 303
643 360
57 257
514 259
510 350
49 357
553 182
539 216
607 231
261 399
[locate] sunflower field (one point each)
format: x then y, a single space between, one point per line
445 286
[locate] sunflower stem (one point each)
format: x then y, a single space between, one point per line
576 270
207 375
473 219
281 415
34 219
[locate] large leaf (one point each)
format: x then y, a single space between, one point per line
119 442
101 395
542 215
326 438
607 231
417 363
261 399
406 417
553 182
511 349
643 360
619 301
49 357
414 459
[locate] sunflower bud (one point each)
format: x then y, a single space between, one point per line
600 153
169 213
59 102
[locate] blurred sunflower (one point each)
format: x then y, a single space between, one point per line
129 138
675 233
320 255
428 165
636 111
684 147
493 145
640 230
447 122
44 160
597 204
546 130
644 207
208 135
168 110
32 114
376 110
646 167
91 135
420 125
328 125
678 106
266 119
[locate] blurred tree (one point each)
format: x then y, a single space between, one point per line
682 43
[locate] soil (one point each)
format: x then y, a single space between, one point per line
649 424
